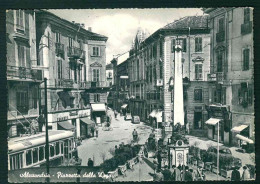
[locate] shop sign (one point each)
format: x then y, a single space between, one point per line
73 113
62 118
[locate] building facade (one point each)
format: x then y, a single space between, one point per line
23 75
231 71
74 62
151 69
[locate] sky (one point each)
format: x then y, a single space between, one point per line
120 25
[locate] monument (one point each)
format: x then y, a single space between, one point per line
178 108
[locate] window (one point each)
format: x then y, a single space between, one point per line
220 58
137 67
19 19
221 27
173 45
245 95
28 157
57 35
22 101
34 98
96 97
155 50
35 155
161 70
198 44
154 73
51 150
184 45
198 95
109 75
161 48
21 55
95 75
59 69
198 71
151 74
71 42
61 147
16 161
246 15
246 59
57 148
41 153
96 51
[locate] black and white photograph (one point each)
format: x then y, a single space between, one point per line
130 94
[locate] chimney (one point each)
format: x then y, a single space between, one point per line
90 29
83 25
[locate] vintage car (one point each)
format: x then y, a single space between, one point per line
128 116
135 119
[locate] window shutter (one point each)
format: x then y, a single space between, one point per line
250 95
184 45
239 96
21 18
17 17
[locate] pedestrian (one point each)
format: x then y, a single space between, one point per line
187 128
193 174
135 134
235 175
90 163
159 159
187 176
246 174
92 131
158 176
96 131
199 124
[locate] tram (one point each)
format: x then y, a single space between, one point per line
29 151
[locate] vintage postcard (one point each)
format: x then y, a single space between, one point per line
117 95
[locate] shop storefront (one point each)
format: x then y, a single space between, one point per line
124 109
98 113
219 122
86 127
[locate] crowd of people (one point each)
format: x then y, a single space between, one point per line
236 176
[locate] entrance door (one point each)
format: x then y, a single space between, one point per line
197 120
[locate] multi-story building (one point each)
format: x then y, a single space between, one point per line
74 62
23 74
151 66
110 80
231 71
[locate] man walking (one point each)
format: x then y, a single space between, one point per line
246 174
235 175
187 176
135 134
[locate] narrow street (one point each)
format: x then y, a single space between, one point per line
98 148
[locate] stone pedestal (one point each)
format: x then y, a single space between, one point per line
178 153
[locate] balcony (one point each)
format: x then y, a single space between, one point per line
75 52
212 77
220 37
59 49
64 83
14 72
159 82
246 28
220 76
99 84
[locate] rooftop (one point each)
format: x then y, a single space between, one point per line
191 22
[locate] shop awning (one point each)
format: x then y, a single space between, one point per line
98 107
87 121
158 116
238 129
66 125
243 138
124 106
153 114
123 77
212 121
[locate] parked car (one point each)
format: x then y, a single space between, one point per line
225 151
128 116
135 119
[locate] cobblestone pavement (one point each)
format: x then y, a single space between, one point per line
98 148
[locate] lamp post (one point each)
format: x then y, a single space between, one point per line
46 132
218 154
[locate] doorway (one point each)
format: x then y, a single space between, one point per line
198 120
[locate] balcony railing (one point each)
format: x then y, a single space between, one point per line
212 77
246 28
23 73
220 76
75 52
98 84
64 83
59 49
220 37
